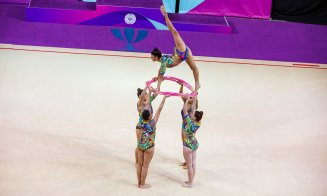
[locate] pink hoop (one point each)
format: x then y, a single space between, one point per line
184 83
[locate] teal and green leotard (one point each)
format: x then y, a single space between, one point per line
138 126
167 61
189 130
148 135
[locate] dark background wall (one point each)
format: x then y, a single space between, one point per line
305 11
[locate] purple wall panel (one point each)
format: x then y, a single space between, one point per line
251 39
120 16
15 1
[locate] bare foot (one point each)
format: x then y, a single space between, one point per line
187 184
145 186
197 86
163 10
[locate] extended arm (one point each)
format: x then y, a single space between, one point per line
147 103
185 106
181 91
160 79
156 116
139 103
195 99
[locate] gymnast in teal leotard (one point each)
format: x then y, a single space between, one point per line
181 53
148 135
189 129
189 111
146 141
191 123
143 96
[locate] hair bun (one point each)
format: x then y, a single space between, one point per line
139 92
156 50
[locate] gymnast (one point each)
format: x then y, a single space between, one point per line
143 96
191 123
181 53
146 141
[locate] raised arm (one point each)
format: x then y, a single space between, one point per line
181 91
154 92
139 103
147 103
156 116
185 106
189 122
161 73
194 108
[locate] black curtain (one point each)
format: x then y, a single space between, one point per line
305 11
177 6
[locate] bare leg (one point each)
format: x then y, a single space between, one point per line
180 45
140 155
188 159
191 63
136 157
138 133
148 154
185 166
193 163
184 163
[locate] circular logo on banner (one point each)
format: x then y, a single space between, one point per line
130 18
